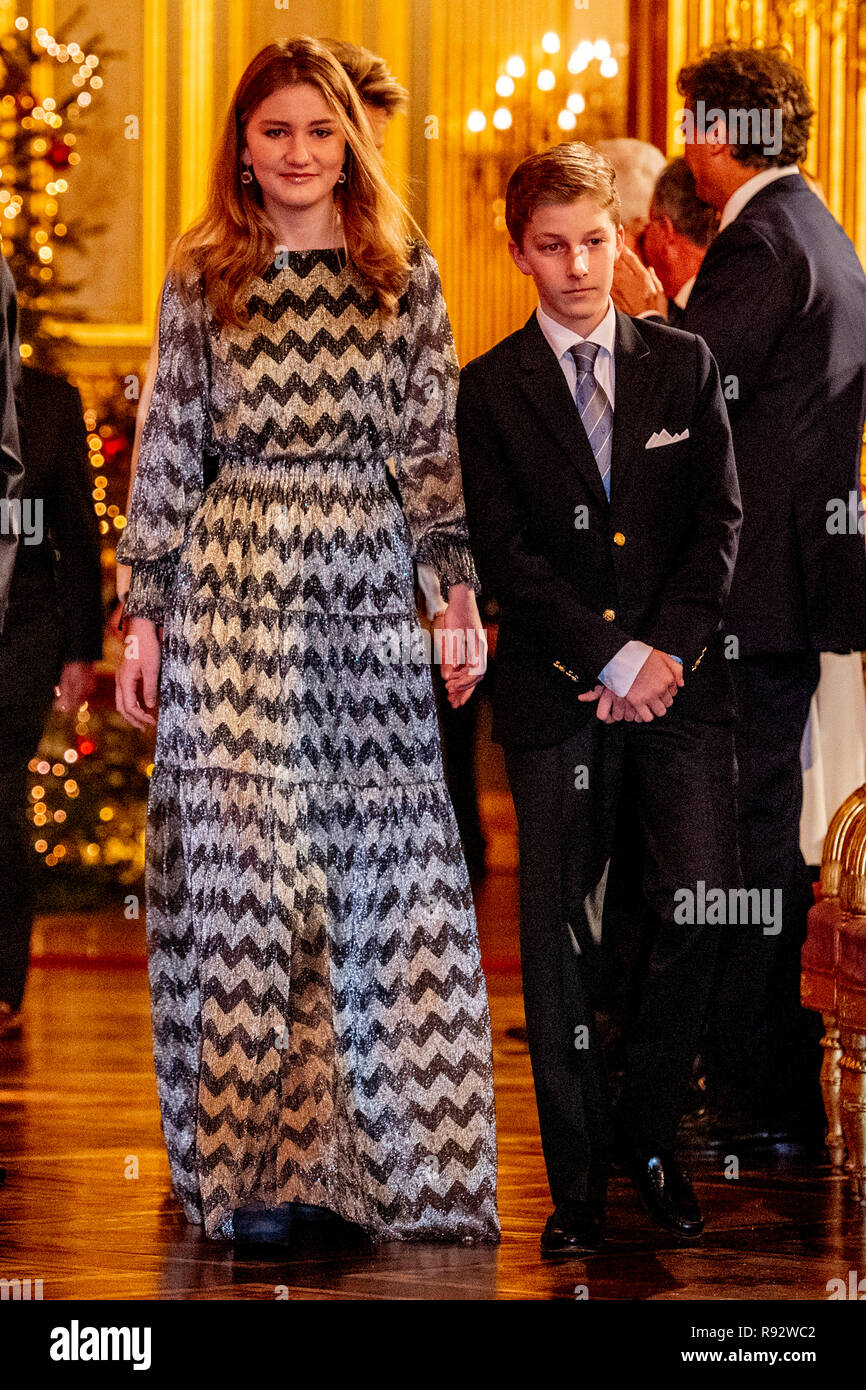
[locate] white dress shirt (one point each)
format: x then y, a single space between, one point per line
561 339
620 671
681 298
740 196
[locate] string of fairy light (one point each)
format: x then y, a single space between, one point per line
51 149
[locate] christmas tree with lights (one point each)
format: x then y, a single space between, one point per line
88 783
39 135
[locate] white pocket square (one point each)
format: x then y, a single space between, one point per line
660 437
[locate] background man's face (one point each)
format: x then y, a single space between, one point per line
657 253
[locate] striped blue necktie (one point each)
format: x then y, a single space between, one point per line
594 408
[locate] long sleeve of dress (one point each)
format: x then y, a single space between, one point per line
169 479
426 458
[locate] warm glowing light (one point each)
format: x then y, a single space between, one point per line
550 42
608 67
504 86
546 80
576 103
601 49
502 118
476 121
515 67
566 120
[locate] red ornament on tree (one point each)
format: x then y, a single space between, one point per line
57 155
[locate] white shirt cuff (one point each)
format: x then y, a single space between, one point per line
429 582
620 672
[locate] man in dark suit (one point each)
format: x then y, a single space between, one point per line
53 635
781 301
11 410
603 509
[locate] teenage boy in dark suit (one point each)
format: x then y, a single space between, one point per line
604 511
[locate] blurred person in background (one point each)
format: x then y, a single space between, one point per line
11 465
636 164
675 239
51 640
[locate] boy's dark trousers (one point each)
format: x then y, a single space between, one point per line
681 775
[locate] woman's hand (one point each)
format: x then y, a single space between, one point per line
464 654
139 667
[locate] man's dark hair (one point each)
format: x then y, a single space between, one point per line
727 77
674 196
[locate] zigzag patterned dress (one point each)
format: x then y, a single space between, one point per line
321 1027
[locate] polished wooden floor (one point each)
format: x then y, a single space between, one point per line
79 1118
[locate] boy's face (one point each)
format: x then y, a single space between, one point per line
570 250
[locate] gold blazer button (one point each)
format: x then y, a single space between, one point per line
608 615
618 538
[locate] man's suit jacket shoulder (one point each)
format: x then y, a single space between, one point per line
781 301
502 356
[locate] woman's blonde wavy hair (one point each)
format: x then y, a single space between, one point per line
232 241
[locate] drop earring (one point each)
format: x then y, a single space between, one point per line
341 177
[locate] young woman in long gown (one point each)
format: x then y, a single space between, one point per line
321 1028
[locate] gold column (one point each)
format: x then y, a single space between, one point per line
197 107
393 44
352 21
677 26
238 43
151 253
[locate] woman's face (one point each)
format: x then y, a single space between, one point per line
295 146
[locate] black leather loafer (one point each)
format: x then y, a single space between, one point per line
666 1193
575 1228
